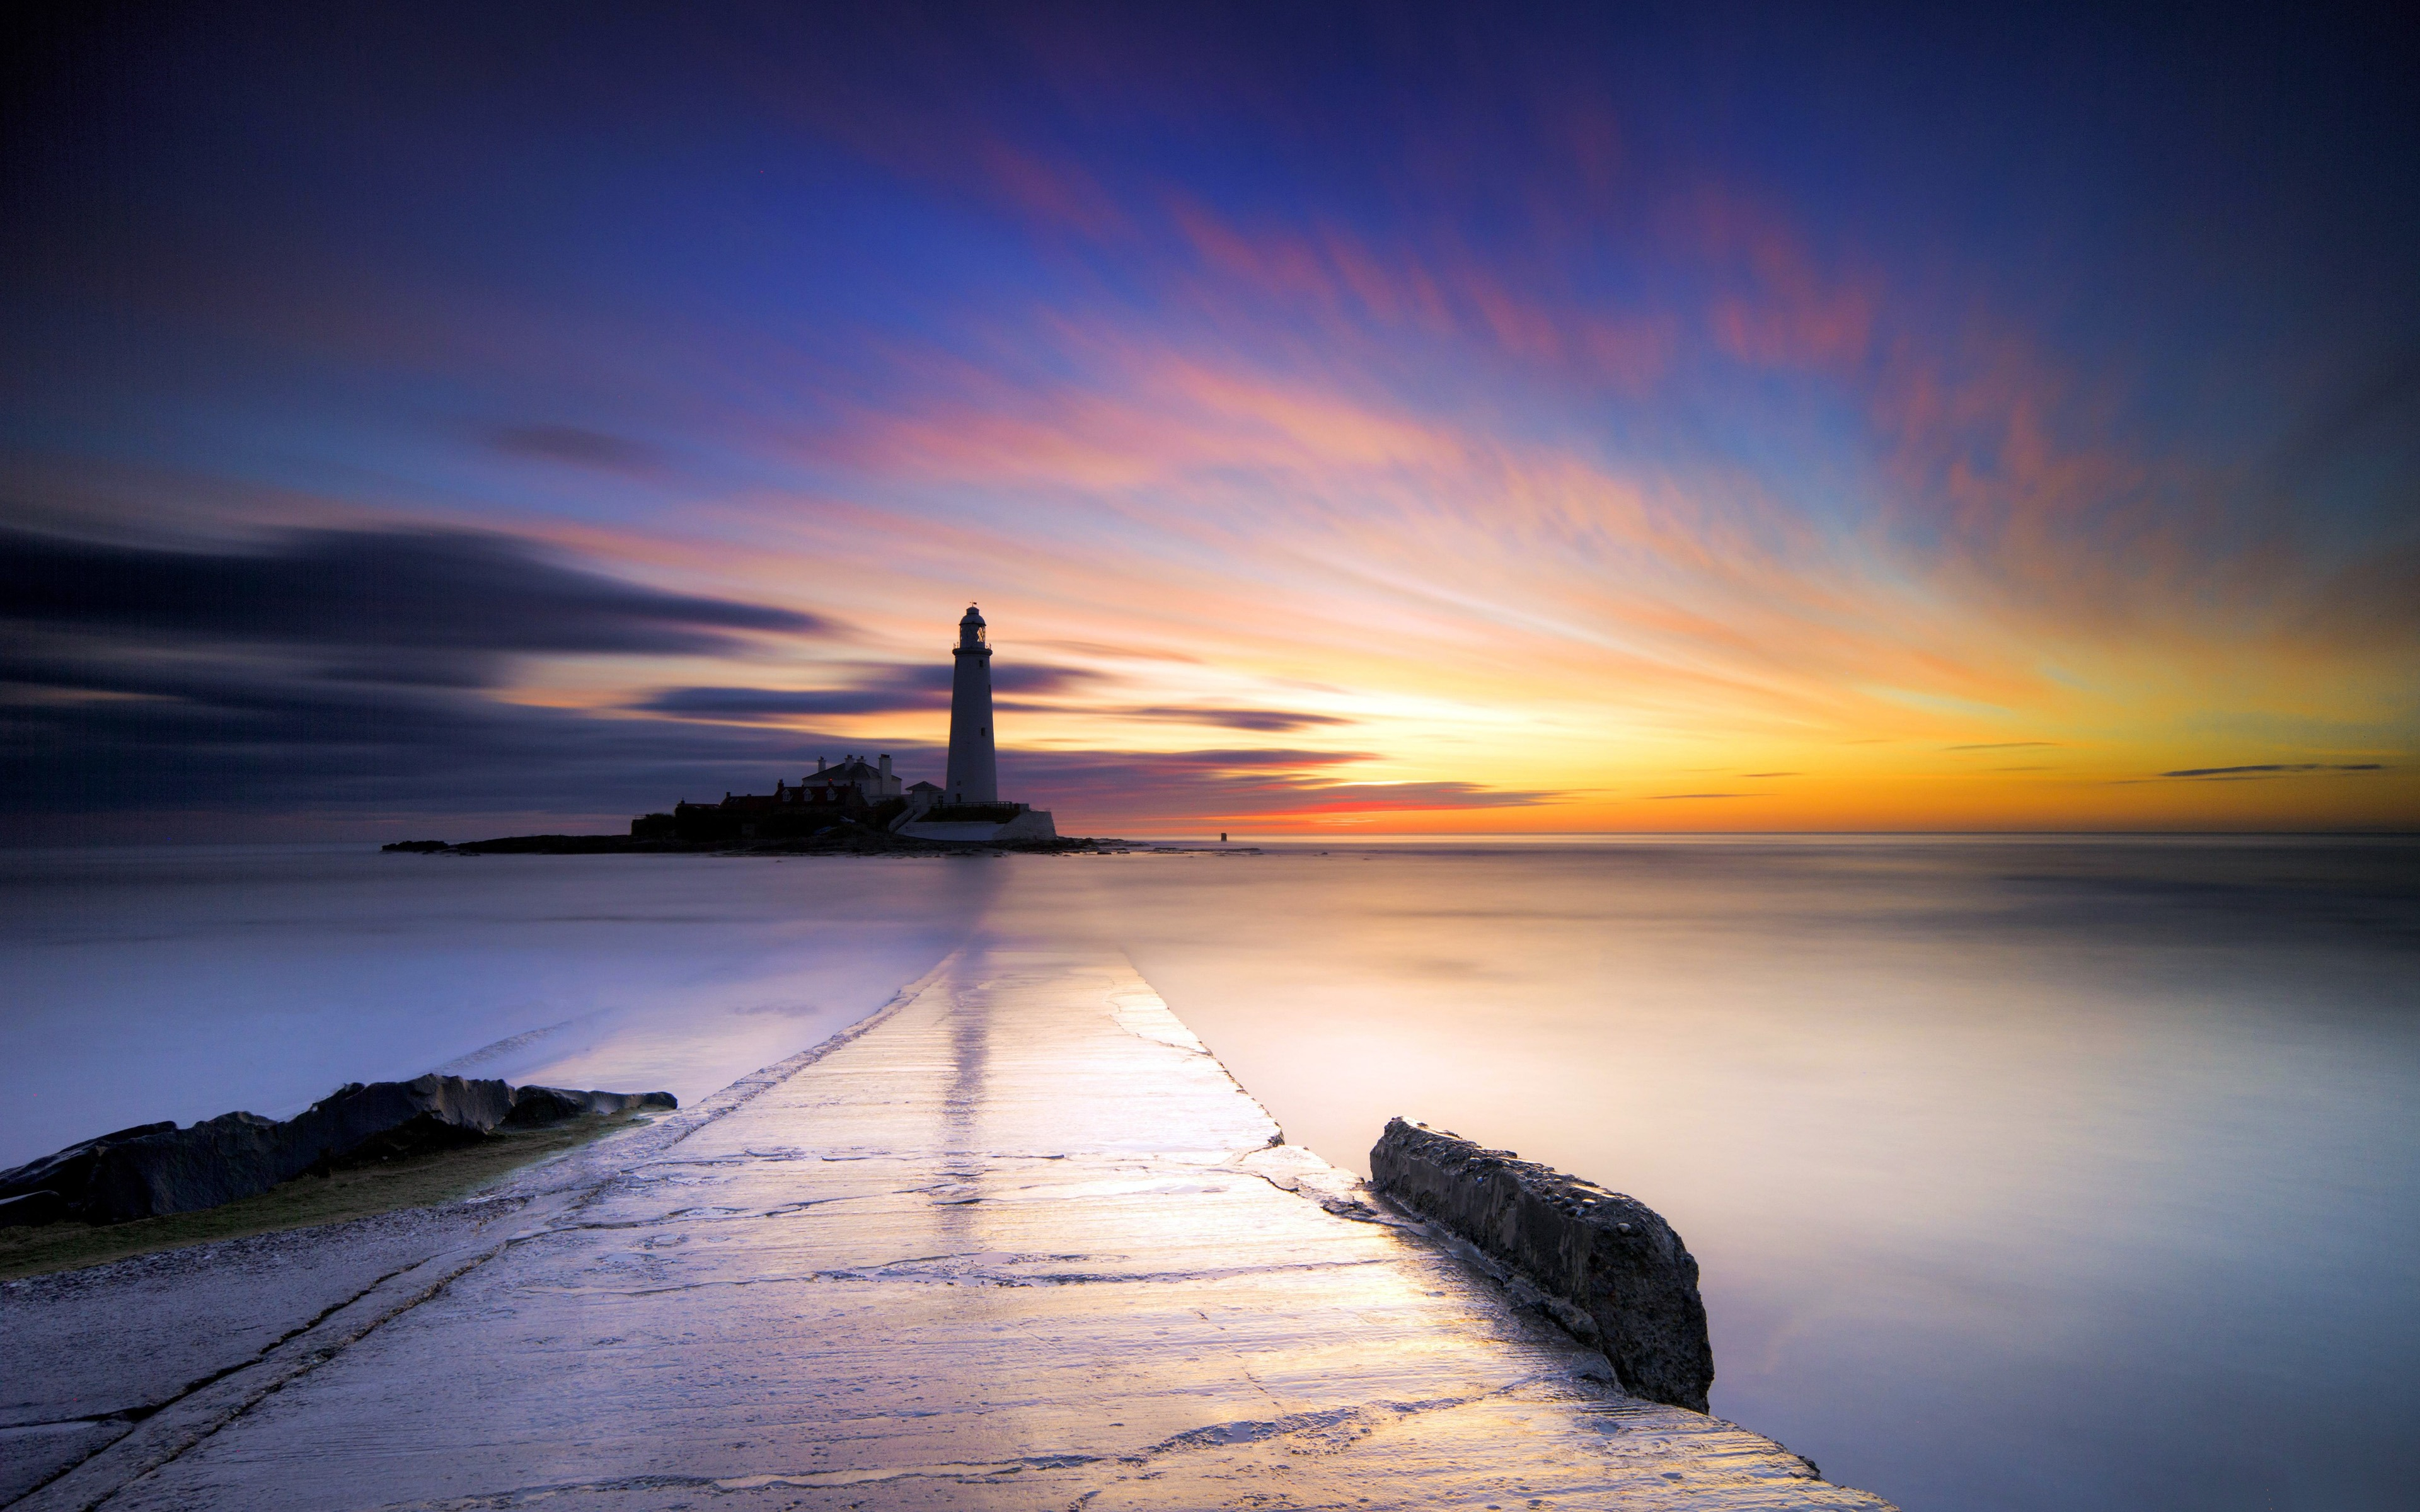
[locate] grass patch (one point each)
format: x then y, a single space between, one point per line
306 1201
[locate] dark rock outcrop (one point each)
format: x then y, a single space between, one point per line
44 1190
180 1170
534 1105
1622 1276
158 1168
27 1207
357 1123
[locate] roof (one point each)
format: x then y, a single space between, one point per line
850 770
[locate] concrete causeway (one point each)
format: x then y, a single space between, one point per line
1018 1242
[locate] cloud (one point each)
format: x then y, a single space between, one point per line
1671 797
1779 308
1314 798
2353 422
344 672
226 744
1115 766
1484 405
580 447
1264 721
1029 678
748 704
2276 769
1103 648
883 687
1354 287
220 739
1247 785
431 607
1752 775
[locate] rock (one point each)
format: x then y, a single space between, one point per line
63 1177
43 1207
158 1168
534 1105
1622 1273
178 1170
241 1154
358 1125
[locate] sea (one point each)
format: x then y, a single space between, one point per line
2041 1172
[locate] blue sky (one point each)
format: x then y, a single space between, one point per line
1541 408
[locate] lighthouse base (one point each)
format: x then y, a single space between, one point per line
1027 823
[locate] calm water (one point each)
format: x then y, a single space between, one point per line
2039 1174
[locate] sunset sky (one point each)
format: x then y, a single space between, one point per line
1349 420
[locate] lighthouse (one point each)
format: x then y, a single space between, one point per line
967 810
974 771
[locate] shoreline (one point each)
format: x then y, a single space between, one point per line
849 841
835 842
853 841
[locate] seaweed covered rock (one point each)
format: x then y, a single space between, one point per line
158 1168
1625 1277
381 1120
534 1106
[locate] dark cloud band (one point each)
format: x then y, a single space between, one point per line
1262 722
877 689
440 606
2277 769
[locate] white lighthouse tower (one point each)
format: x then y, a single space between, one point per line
967 810
974 769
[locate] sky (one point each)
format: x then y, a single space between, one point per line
1349 418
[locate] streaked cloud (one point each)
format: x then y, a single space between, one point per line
2278 769
872 689
412 606
579 446
1268 721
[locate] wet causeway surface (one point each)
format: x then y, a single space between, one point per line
1020 1241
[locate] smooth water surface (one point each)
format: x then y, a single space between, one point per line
2043 1173
179 983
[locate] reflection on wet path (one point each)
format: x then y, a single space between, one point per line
962 1104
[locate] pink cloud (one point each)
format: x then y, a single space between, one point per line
1778 307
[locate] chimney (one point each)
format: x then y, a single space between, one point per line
886 766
